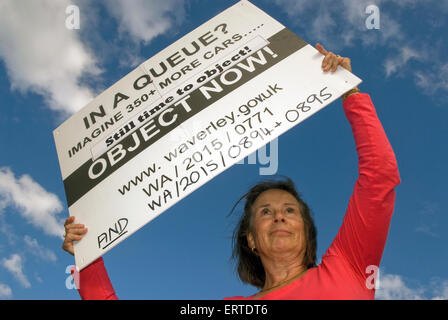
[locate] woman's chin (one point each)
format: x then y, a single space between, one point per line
283 246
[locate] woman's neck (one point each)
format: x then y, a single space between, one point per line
281 272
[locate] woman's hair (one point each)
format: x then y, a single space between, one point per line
249 266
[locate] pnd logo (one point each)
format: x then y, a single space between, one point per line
110 236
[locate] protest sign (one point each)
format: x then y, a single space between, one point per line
182 117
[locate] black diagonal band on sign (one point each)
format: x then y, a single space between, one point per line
283 44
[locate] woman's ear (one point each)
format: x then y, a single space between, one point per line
250 240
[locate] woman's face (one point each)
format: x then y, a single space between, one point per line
277 224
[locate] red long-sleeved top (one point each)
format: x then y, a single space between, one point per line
348 265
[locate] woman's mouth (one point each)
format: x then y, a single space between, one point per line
280 232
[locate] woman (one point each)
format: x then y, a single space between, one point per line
275 240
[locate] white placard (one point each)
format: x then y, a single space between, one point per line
182 117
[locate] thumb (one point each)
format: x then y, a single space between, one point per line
321 49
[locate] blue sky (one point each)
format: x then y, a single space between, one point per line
48 72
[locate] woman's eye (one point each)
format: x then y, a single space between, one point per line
265 211
290 210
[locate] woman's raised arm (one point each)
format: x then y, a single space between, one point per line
93 283
362 236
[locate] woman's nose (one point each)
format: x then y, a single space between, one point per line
279 216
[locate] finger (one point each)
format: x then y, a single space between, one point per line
74 226
325 62
73 237
328 61
346 63
77 231
334 61
337 62
321 49
69 220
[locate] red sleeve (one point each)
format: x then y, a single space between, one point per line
362 236
93 283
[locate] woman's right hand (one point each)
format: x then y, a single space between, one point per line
332 61
73 232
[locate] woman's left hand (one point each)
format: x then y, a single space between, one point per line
332 61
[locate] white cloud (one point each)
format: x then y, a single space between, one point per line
38 250
5 291
432 80
340 24
15 266
429 219
38 206
440 289
145 19
426 229
295 6
324 23
393 287
394 64
42 56
38 279
5 227
328 22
